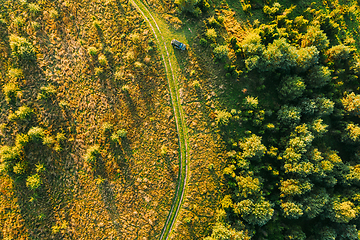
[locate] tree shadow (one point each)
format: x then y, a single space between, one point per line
170 169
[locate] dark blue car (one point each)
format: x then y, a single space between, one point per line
178 44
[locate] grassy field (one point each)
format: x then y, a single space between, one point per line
127 193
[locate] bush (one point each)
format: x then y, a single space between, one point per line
92 154
60 137
35 25
222 117
196 85
36 134
19 22
121 133
33 182
23 113
213 22
53 14
34 9
48 140
163 150
102 60
46 92
107 127
125 88
221 19
9 154
97 25
211 34
271 11
114 137
220 52
11 92
98 71
22 49
251 102
246 8
15 73
92 51
19 168
21 140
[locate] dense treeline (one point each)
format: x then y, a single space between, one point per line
293 142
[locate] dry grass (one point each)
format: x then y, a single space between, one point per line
131 192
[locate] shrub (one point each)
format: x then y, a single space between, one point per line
107 127
11 92
102 60
92 51
98 71
22 49
24 113
35 25
60 137
246 8
221 19
19 168
21 140
19 22
53 14
15 73
125 88
251 102
114 137
163 150
213 22
46 92
34 9
220 52
97 25
40 168
9 154
271 11
48 140
36 134
211 34
138 65
121 133
222 117
33 182
196 85
92 154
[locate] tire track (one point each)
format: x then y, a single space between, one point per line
180 124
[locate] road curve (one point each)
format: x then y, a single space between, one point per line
179 119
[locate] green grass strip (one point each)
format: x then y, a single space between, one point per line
179 119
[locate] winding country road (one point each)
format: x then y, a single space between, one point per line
179 119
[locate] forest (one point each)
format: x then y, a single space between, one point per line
108 132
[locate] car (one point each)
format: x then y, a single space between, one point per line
178 45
